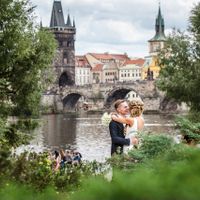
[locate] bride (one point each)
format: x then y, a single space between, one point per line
133 123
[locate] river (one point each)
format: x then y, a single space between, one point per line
86 134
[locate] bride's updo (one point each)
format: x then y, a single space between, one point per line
136 107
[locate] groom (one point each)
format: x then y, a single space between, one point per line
117 129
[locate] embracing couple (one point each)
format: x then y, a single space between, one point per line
125 124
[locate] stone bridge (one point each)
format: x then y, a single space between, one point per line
100 96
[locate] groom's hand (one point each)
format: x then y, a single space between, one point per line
134 141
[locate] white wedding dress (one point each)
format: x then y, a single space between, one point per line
131 132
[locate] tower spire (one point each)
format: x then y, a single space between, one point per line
57 17
68 20
157 42
159 27
74 25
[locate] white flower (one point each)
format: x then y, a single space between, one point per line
106 119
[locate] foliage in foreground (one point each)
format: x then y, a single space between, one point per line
37 171
11 191
157 179
173 173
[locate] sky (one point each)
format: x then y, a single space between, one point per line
117 26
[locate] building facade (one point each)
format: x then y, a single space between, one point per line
131 70
97 73
110 72
105 66
82 71
132 95
151 69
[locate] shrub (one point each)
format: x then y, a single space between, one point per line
151 147
190 130
164 181
11 191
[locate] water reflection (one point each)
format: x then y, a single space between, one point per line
59 131
87 135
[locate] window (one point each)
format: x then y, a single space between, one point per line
65 60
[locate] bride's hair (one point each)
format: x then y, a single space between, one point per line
136 107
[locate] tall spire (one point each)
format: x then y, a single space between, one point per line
57 17
68 21
74 25
159 27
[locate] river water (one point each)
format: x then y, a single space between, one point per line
86 134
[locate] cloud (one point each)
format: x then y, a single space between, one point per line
116 25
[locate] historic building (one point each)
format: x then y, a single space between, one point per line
157 42
64 63
132 95
110 72
131 70
97 73
82 71
105 66
151 69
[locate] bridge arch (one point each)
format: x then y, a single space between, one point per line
117 93
73 101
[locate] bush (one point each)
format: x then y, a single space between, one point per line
189 129
11 191
164 181
151 147
36 171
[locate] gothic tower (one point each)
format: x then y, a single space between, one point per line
157 42
64 62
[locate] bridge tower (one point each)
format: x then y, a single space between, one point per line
157 42
64 63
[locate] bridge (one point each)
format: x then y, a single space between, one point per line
100 96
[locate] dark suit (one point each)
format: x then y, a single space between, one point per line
117 137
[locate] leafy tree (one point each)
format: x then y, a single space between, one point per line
26 52
180 74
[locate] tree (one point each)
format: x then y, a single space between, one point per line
26 53
180 61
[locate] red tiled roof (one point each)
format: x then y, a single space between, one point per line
81 61
98 67
139 61
104 56
107 56
120 56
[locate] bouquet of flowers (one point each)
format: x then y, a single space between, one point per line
106 119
